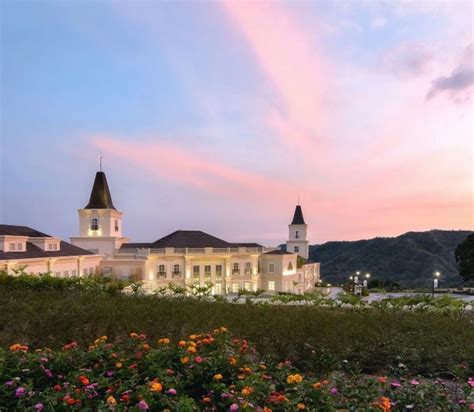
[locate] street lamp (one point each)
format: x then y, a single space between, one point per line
436 276
366 280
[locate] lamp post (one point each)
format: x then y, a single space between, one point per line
436 276
366 280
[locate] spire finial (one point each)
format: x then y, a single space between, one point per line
100 161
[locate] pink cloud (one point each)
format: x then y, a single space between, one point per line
292 62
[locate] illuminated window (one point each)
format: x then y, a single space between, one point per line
235 287
218 288
247 286
271 285
94 224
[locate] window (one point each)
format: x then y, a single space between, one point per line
207 271
94 224
196 271
290 266
116 225
66 273
58 274
297 249
247 286
235 269
161 271
248 268
297 234
74 272
12 247
84 272
19 246
218 271
176 271
271 285
271 268
235 287
218 288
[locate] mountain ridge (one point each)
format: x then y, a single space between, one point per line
408 259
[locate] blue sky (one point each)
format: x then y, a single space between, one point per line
217 115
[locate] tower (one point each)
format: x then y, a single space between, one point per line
100 223
298 235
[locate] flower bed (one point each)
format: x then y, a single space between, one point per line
210 372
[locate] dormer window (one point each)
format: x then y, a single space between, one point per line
290 266
94 224
19 246
116 225
297 234
12 247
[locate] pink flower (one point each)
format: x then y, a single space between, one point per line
470 382
414 382
20 392
198 359
333 391
395 384
39 406
172 391
234 407
143 406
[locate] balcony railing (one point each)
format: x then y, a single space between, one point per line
235 271
176 274
194 251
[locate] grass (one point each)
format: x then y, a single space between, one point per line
316 339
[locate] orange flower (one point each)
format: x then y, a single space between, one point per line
118 365
317 385
217 377
146 347
111 401
164 341
384 404
232 360
293 379
181 343
206 399
247 391
382 379
301 406
84 380
156 386
191 349
184 360
18 348
266 409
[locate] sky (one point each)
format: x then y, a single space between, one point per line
219 116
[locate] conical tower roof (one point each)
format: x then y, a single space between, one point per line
100 195
298 217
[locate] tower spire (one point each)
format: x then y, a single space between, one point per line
100 161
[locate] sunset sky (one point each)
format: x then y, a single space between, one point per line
218 115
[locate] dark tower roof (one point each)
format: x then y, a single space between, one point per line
298 217
100 195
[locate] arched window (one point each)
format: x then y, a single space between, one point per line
116 225
290 266
94 224
297 234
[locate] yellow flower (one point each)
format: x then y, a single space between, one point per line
156 386
301 406
118 365
247 391
191 349
184 359
232 360
193 337
292 379
111 401
217 377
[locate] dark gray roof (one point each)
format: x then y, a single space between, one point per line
100 195
33 251
278 252
190 238
136 246
246 245
298 217
14 230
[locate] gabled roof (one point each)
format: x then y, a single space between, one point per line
100 195
191 239
278 252
14 230
34 251
298 217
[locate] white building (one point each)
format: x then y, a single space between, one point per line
188 257
37 252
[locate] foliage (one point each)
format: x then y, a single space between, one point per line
464 255
408 260
312 331
203 372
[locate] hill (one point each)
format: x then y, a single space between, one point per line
409 259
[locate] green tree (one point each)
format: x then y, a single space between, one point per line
464 255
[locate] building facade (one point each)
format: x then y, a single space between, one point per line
192 257
24 248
